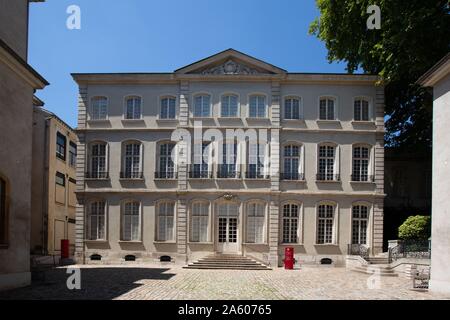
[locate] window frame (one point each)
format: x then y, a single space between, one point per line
238 105
370 117
122 220
299 230
124 158
335 225
208 225
301 160
91 109
73 156
203 95
335 109
59 155
336 162
125 107
369 207
266 106
90 159
265 217
300 107
174 222
160 109
159 156
105 222
370 164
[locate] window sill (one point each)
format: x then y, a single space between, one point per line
131 179
130 242
255 244
328 121
292 180
257 119
98 121
174 120
200 179
294 120
228 179
97 179
133 120
229 118
95 241
362 182
164 242
202 118
363 122
291 244
328 181
201 243
326 244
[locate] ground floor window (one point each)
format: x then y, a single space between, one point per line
96 220
325 224
131 221
255 222
360 222
290 223
199 222
165 221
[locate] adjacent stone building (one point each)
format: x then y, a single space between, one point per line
53 183
18 83
147 186
438 77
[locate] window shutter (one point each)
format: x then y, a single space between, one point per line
337 159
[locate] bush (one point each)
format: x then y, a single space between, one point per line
415 228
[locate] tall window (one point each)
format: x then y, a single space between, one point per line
72 154
202 106
257 107
133 108
292 108
255 222
325 224
361 110
61 143
229 106
96 220
360 222
168 108
199 222
290 223
98 161
256 159
132 160
3 213
227 168
99 108
327 154
165 225
131 221
291 163
360 164
166 164
327 109
200 167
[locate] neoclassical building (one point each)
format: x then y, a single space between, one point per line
148 186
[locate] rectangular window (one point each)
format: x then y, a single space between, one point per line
132 161
99 108
165 224
360 164
166 163
291 162
200 167
96 220
72 154
229 106
200 222
202 106
3 214
292 109
325 224
255 223
361 111
98 161
257 107
61 146
326 163
256 159
360 222
133 108
60 179
290 223
131 221
326 111
227 168
168 108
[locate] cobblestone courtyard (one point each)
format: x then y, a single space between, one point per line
171 282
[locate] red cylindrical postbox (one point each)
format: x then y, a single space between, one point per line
64 249
289 258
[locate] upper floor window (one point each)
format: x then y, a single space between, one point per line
98 161
132 160
229 106
61 143
257 106
72 154
328 163
168 108
256 221
199 222
99 108
361 110
131 221
290 223
292 108
133 108
96 220
325 224
292 164
200 167
360 223
165 221
327 109
60 179
166 162
361 156
256 160
202 106
3 213
227 167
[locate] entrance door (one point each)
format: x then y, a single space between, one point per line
227 228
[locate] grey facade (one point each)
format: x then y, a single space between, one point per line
311 208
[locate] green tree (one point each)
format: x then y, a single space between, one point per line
415 227
414 35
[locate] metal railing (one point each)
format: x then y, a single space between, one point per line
415 249
328 177
356 249
254 171
292 176
362 178
166 175
226 171
132 175
97 175
200 172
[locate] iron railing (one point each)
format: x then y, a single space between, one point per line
292 176
226 171
254 171
362 178
328 177
415 249
356 249
96 175
166 175
198 171
132 175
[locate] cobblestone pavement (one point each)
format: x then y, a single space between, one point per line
172 282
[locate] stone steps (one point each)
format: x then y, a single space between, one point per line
382 270
226 262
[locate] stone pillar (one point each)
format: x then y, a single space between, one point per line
274 230
184 103
181 225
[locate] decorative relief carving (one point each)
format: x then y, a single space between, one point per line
231 67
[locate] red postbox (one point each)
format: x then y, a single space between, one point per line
289 258
64 249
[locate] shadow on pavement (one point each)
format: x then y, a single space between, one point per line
103 283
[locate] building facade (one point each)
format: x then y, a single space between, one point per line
438 78
151 182
53 183
18 83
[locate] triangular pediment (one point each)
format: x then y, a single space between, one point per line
230 62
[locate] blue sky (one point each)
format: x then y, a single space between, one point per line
164 35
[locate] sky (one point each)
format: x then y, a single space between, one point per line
164 35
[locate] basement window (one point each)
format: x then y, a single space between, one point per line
96 257
165 259
130 257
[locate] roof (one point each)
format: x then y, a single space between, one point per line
229 64
52 115
436 73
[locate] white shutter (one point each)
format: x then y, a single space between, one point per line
301 166
266 158
337 161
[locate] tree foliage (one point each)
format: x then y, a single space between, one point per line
414 35
415 227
